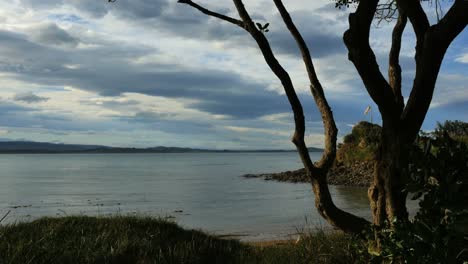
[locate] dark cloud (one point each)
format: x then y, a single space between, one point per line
19 55
29 98
106 72
139 9
42 3
323 38
182 20
17 116
7 108
51 34
132 9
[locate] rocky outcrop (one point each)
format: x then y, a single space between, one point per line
355 174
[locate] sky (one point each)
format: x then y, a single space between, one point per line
140 73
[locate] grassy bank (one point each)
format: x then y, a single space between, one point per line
148 240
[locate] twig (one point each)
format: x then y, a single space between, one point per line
3 218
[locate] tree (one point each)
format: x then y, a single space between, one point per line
456 129
400 122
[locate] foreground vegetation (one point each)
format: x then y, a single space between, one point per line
82 239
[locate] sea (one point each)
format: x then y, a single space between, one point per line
203 191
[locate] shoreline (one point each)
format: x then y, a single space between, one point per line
357 174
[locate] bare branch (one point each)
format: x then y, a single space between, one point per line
317 91
416 15
435 42
5 216
283 76
394 69
360 53
213 14
323 199
386 11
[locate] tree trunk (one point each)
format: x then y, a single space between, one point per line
386 194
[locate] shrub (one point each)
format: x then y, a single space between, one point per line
438 176
361 145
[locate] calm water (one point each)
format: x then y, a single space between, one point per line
202 191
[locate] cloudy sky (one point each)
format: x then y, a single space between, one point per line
154 72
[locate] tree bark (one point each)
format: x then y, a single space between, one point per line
386 193
394 68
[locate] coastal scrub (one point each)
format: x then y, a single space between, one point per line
82 239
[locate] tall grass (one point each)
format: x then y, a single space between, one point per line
81 239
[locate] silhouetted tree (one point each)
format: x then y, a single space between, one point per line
400 122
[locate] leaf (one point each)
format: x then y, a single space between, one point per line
267 30
259 26
266 25
373 251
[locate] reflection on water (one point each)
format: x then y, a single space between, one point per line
202 190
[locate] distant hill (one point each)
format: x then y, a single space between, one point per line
43 147
26 146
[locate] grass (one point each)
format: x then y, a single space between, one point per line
81 239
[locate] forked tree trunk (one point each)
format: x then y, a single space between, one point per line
386 193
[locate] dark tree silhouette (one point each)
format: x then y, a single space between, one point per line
401 123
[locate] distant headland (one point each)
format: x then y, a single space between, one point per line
17 147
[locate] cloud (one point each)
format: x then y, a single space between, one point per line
324 38
161 73
450 89
29 98
214 91
51 34
463 58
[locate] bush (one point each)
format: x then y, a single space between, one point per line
361 145
457 130
438 176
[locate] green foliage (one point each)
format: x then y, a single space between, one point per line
456 129
361 145
438 176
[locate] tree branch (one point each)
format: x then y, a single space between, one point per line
323 200
360 53
205 11
394 69
331 131
416 15
283 76
436 40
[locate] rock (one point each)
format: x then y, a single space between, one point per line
356 174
